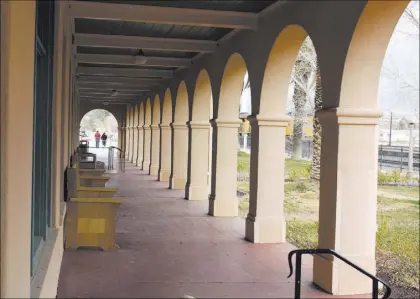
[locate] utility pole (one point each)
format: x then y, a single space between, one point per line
390 131
410 150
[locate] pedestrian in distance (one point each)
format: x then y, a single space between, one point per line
104 138
97 138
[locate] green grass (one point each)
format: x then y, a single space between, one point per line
243 162
297 165
399 191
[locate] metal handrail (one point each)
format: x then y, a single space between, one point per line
300 252
111 158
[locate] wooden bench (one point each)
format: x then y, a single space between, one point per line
90 223
75 190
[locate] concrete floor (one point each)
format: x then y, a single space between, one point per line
169 248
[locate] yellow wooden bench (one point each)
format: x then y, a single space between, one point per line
91 172
78 191
93 181
90 223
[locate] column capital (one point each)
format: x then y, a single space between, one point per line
146 127
223 123
350 116
198 124
154 126
179 125
164 126
270 121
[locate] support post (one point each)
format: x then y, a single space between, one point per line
266 222
154 166
165 154
348 183
223 198
198 188
180 163
17 98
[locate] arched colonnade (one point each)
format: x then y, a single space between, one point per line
186 134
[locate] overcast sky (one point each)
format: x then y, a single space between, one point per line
402 57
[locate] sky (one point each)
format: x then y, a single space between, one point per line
402 58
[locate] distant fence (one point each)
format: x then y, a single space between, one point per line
396 157
389 157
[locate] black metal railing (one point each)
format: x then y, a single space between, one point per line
120 159
300 252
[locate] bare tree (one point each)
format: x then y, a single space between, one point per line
304 79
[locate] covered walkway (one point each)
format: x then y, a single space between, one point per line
170 248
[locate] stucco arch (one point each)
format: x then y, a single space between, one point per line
279 69
231 87
359 90
202 100
110 112
181 104
156 119
141 114
148 113
167 107
166 138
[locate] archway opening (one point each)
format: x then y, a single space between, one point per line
99 128
180 139
199 168
224 199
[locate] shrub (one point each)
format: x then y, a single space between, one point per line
383 178
293 175
396 176
302 187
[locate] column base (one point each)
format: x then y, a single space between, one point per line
265 229
164 175
178 184
339 278
223 207
146 166
138 163
198 193
154 170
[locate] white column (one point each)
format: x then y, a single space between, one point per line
154 166
140 146
348 196
135 145
166 153
126 142
198 188
223 198
265 222
146 149
180 163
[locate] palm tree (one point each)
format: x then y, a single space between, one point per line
317 129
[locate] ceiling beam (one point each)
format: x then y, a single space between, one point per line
131 60
123 72
145 43
100 101
110 86
164 15
108 92
112 98
106 79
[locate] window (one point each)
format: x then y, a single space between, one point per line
41 167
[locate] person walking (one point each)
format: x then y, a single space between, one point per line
104 138
97 138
